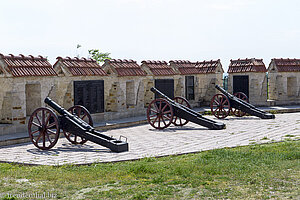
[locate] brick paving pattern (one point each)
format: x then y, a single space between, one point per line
144 141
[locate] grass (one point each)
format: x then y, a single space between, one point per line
273 112
207 112
269 171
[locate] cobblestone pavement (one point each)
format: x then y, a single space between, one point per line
145 141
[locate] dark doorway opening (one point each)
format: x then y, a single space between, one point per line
90 94
241 84
166 86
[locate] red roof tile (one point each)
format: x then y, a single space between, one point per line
247 65
82 67
206 67
28 66
185 67
287 65
126 67
159 68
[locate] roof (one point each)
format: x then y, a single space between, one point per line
82 66
126 67
185 67
287 65
159 68
22 65
206 67
247 65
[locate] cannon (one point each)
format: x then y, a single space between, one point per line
76 123
238 104
162 112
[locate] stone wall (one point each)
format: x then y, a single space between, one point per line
206 87
128 96
257 87
20 96
284 87
148 95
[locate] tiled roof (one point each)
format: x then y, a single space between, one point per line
185 67
287 65
159 68
126 67
82 67
28 65
205 67
247 65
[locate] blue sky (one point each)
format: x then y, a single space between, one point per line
192 30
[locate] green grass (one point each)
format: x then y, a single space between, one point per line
273 111
269 171
208 112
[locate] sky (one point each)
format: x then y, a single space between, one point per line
193 30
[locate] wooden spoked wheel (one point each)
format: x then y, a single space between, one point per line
43 128
177 121
243 97
83 114
220 106
160 114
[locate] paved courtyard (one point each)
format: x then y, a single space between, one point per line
145 141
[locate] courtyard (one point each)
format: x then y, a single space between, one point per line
145 141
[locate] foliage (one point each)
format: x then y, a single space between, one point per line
99 56
269 171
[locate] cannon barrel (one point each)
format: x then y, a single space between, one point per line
232 97
154 90
64 112
186 113
223 91
245 106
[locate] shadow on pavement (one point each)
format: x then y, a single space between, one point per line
178 128
239 118
68 148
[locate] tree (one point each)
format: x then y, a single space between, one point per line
98 56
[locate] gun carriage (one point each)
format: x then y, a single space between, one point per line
76 123
162 112
238 104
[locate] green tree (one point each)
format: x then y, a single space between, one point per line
98 56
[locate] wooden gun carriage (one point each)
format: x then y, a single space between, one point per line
223 104
163 112
77 125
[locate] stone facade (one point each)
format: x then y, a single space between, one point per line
160 70
25 82
206 75
255 71
284 76
211 74
127 87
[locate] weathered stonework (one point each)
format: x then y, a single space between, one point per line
211 75
126 95
255 70
284 79
148 95
127 86
257 87
22 91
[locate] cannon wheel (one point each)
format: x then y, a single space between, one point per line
177 120
83 114
235 111
160 114
220 106
43 128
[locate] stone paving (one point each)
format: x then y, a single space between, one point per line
145 141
